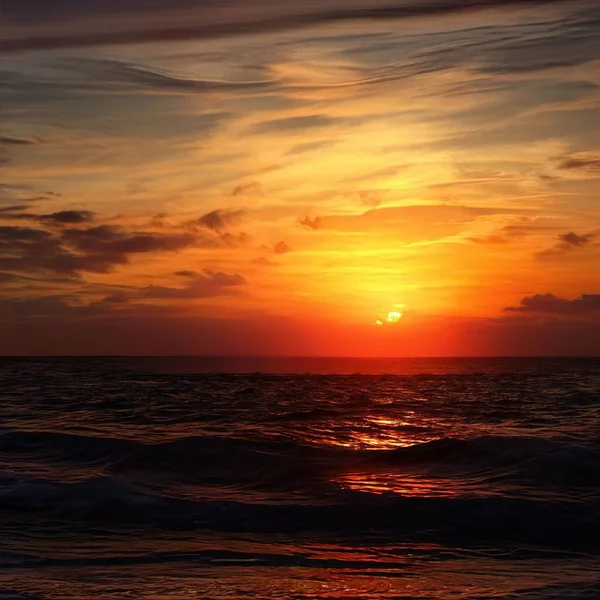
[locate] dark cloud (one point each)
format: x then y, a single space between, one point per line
13 141
185 273
248 189
12 278
235 240
208 284
549 304
315 223
98 249
66 217
488 239
281 248
291 124
584 163
203 24
573 240
568 242
118 74
112 241
220 219
15 208
59 309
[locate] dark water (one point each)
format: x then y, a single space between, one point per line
153 478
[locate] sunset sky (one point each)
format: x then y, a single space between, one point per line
272 177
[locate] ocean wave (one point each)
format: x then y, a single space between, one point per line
114 502
286 464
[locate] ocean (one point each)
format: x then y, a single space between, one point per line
299 478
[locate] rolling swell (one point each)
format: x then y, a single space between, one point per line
114 503
141 486
205 459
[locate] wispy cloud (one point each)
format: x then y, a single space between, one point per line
200 25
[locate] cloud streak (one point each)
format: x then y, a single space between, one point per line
208 284
204 29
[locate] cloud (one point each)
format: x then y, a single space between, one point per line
313 224
185 273
572 240
235 240
293 124
248 189
261 260
307 147
207 24
13 209
97 249
585 164
117 74
220 219
68 217
112 241
208 284
568 242
13 141
549 304
488 239
218 222
65 217
281 248
58 309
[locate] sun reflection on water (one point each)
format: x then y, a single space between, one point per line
397 483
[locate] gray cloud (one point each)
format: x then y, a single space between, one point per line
549 304
584 163
65 217
199 26
13 141
97 249
248 189
16 208
220 219
568 242
185 273
573 240
112 241
291 124
121 75
208 284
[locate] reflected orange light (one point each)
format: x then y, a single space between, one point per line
397 483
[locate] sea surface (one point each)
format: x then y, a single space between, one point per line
299 478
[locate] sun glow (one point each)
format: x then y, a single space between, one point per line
394 316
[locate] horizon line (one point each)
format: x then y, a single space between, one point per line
305 357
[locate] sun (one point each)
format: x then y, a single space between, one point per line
392 318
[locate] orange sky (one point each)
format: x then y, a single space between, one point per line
270 179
